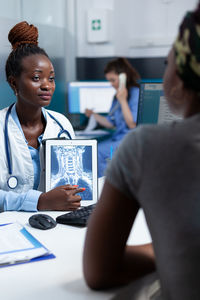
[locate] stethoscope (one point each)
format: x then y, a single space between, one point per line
12 181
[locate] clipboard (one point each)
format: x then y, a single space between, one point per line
24 249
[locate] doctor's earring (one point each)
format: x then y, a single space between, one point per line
15 92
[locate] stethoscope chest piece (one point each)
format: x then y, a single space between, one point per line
12 182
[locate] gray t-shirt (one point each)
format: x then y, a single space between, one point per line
160 166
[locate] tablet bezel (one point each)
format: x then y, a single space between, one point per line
59 142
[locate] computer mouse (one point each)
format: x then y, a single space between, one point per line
42 221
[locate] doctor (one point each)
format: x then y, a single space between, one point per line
25 124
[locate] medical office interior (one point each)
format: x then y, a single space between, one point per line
81 37
141 31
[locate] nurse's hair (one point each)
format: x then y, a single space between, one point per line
122 65
24 40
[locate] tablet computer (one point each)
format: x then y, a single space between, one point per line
72 162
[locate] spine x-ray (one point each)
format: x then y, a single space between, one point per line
72 165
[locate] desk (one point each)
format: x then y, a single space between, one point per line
60 278
99 134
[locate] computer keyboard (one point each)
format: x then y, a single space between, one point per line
77 217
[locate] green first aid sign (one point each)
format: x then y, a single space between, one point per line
96 24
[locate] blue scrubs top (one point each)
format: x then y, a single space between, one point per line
107 147
115 115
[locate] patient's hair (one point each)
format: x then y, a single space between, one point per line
187 50
24 40
122 65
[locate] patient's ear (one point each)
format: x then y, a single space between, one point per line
178 91
177 97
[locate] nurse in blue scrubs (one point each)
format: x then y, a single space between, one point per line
123 112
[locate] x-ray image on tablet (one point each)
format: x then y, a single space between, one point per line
72 162
72 165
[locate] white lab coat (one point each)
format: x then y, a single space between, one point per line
21 160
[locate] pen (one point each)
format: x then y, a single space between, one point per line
5 224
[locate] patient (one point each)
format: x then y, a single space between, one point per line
155 168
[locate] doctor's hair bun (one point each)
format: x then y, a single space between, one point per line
23 33
24 40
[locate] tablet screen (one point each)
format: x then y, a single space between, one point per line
72 162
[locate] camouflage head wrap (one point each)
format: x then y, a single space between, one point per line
187 50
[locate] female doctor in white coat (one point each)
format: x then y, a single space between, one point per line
25 124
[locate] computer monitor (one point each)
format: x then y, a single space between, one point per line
95 95
153 107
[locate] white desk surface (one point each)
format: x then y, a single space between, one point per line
61 277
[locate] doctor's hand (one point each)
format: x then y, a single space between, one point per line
88 112
60 198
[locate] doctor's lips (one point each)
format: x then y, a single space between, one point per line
45 96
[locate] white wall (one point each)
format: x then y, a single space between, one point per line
9 16
50 18
133 22
45 12
62 29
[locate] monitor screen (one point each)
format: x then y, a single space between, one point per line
153 107
95 95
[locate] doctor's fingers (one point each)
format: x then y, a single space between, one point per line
73 197
74 202
74 205
79 190
74 191
68 187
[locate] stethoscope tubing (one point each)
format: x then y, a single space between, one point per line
62 129
6 139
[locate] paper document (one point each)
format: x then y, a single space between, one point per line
92 123
18 245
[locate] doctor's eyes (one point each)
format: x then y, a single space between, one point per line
37 78
52 78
